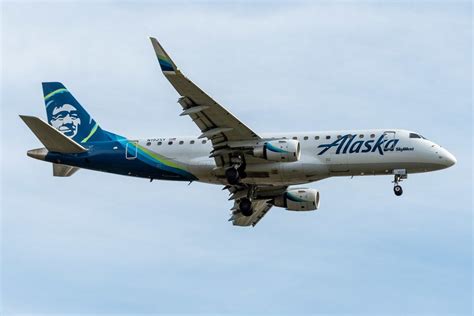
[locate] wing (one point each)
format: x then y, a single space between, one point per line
215 122
261 202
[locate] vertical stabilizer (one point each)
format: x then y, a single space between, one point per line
68 116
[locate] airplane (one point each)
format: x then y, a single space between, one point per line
260 170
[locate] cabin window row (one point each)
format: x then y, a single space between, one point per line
329 137
294 137
181 142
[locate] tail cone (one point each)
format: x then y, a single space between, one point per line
39 153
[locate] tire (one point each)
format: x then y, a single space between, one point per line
241 171
398 190
245 207
232 176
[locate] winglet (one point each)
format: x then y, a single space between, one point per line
165 61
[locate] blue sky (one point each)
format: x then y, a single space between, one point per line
99 243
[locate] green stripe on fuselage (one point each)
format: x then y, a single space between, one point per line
159 158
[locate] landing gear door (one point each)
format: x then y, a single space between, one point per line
388 135
131 150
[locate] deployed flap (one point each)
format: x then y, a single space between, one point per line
214 121
52 139
63 170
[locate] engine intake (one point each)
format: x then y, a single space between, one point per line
298 200
282 150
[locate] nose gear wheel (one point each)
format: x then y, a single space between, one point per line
398 177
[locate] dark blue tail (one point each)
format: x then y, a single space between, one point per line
69 117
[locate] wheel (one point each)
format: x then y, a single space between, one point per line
232 175
245 207
398 190
241 171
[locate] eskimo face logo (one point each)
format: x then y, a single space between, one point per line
65 118
347 145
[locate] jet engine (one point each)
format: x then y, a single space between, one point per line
298 200
282 150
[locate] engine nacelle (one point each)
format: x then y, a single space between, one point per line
298 200
282 150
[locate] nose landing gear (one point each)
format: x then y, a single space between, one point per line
397 189
399 175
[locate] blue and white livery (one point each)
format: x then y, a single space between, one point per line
257 169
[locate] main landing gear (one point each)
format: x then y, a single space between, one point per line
235 173
399 175
232 175
245 207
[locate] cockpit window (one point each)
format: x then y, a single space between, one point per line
413 135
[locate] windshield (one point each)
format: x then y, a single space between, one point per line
414 135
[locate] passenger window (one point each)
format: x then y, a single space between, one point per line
148 143
328 137
295 138
338 136
181 142
306 138
316 137
170 143
413 135
191 142
372 135
159 143
204 141
361 136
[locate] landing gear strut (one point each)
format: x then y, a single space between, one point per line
399 175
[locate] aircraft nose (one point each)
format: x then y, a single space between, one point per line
450 159
447 158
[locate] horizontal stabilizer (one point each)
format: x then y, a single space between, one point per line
60 170
52 139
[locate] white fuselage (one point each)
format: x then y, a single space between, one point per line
323 155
